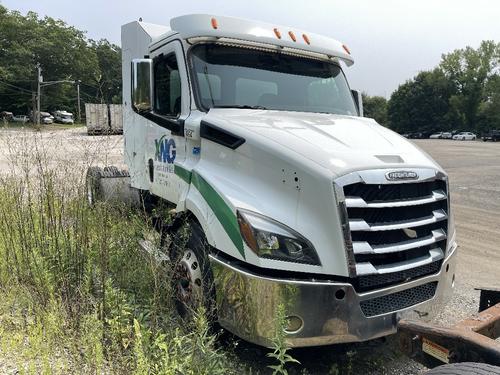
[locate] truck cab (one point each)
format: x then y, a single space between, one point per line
252 131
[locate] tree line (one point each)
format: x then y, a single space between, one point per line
64 53
461 93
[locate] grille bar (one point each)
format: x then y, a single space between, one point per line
362 225
367 268
357 202
364 247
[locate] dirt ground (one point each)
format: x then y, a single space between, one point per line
474 171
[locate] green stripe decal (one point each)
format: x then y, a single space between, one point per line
183 173
222 211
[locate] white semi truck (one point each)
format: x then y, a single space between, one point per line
251 133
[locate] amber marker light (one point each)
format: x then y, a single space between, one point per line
346 49
306 39
247 233
214 23
277 33
292 36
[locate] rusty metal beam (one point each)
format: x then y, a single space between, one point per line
470 340
486 323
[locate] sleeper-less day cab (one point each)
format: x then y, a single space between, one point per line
252 132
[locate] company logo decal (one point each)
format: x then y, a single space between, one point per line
165 150
401 175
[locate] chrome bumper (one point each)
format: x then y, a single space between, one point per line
247 305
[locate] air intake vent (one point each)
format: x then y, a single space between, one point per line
398 301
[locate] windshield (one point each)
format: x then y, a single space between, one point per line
228 76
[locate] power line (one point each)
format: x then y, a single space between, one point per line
16 87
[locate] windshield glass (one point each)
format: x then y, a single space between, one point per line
228 76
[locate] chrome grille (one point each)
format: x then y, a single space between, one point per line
397 229
399 300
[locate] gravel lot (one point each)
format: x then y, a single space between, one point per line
474 170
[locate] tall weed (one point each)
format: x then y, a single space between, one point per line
78 294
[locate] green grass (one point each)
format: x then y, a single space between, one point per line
77 295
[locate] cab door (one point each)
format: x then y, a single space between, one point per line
171 103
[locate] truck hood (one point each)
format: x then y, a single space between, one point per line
339 143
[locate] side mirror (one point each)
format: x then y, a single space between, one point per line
142 85
358 99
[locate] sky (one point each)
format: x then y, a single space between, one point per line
391 41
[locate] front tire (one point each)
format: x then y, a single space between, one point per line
465 368
192 280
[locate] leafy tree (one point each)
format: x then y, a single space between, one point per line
376 108
421 104
470 72
489 109
109 81
64 53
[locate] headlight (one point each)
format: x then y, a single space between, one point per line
269 239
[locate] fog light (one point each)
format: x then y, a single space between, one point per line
340 294
295 324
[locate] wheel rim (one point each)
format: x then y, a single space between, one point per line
188 281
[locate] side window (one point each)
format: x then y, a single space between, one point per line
167 86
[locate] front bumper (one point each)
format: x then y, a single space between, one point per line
247 305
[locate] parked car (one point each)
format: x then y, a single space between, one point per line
436 135
46 118
63 117
441 135
4 115
446 135
20 118
465 136
492 135
416 135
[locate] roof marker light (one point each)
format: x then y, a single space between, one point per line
214 23
306 39
277 33
346 49
292 36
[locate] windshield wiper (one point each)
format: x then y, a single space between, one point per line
240 106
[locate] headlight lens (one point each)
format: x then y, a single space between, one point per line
269 239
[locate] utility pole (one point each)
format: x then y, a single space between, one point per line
33 106
38 92
78 98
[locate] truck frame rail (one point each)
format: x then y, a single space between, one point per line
470 340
